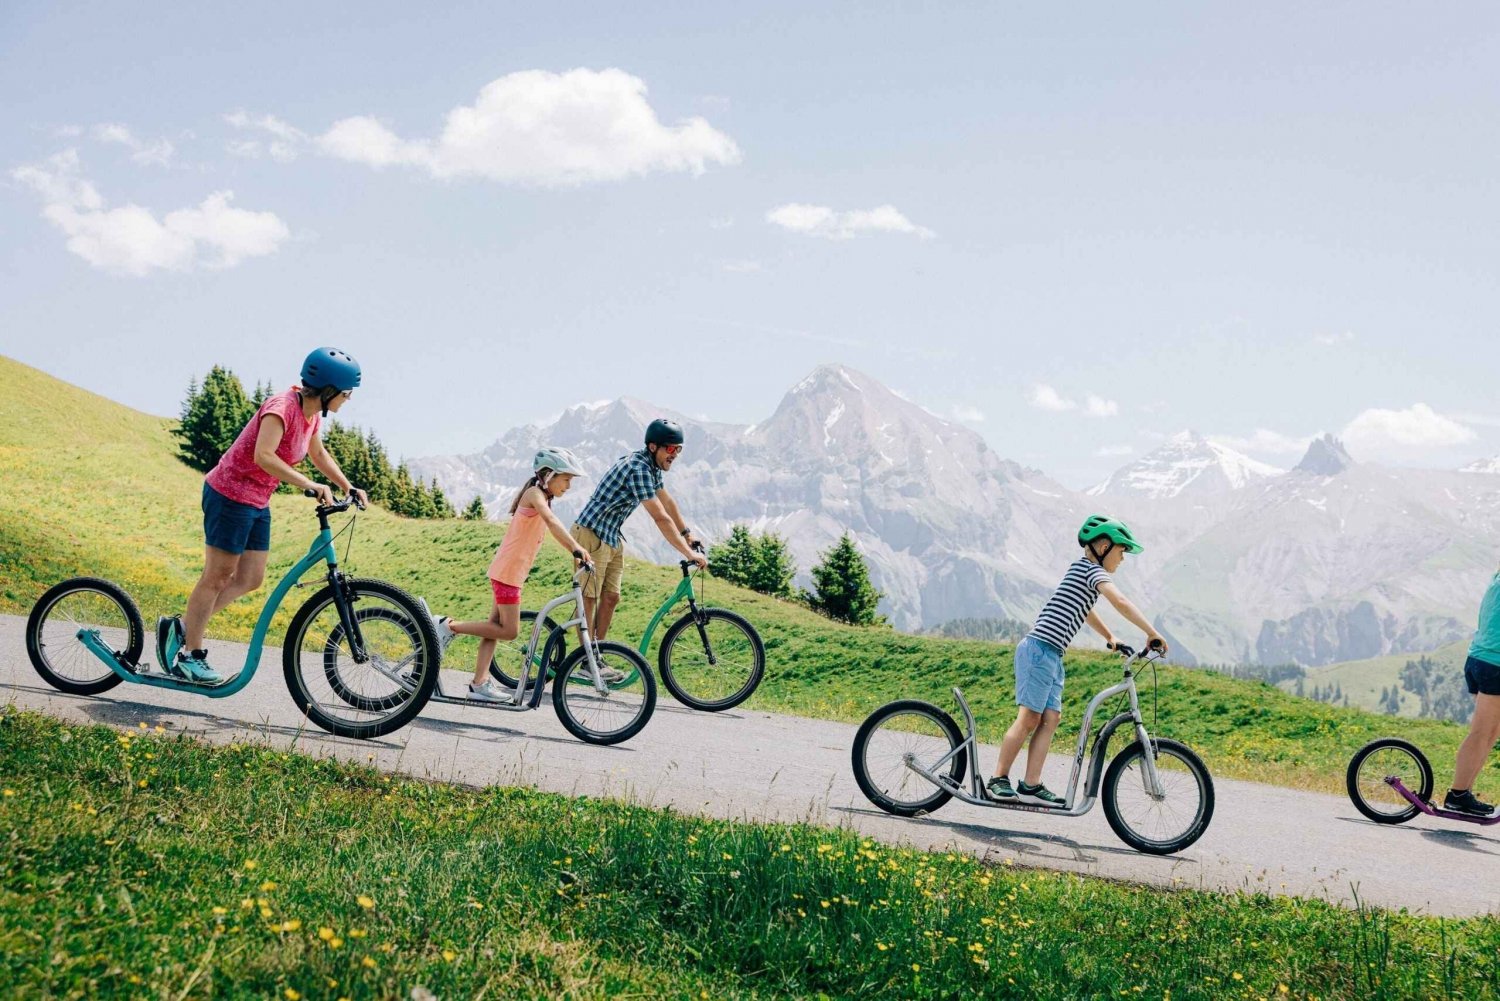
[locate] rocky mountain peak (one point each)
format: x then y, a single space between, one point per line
1326 456
1189 463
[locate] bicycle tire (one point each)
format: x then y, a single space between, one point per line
36 647
686 627
1403 812
1128 834
554 648
876 788
426 673
564 687
331 663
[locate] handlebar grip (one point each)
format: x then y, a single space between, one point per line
309 493
697 547
1156 644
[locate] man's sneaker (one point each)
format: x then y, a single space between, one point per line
192 665
490 691
999 790
1467 803
1038 794
168 640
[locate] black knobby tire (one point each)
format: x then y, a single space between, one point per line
331 665
684 636
37 645
876 787
1195 767
554 648
1385 805
406 707
574 682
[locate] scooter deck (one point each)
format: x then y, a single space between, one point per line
1436 811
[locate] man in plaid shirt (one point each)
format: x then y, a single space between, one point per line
634 480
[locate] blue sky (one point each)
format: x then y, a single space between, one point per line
1077 232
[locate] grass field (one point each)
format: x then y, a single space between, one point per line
91 486
141 865
1362 680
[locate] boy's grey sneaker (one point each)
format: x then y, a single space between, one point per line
999 790
192 665
490 691
1038 794
1467 803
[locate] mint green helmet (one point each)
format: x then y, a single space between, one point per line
559 460
1097 526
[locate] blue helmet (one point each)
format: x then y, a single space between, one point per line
330 368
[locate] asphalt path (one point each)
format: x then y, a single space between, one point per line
760 766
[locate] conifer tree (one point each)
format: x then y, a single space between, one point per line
772 568
475 510
842 588
732 559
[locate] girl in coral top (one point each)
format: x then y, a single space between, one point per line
531 519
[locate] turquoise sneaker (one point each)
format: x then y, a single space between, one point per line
192 665
169 639
1038 794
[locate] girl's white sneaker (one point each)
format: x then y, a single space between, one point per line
490 691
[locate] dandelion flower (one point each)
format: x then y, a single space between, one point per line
10 792
250 863
368 903
290 994
449 955
368 963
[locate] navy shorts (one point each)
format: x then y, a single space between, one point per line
1483 677
232 526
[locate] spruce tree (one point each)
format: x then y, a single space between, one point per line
733 559
772 568
475 510
842 588
212 416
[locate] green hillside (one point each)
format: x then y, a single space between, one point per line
1363 680
91 486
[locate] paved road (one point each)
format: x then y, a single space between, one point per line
762 766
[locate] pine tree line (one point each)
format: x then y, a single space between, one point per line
216 410
841 579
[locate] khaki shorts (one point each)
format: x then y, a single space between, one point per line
609 563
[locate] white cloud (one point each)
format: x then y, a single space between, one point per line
1389 433
1263 440
281 142
130 240
1334 339
548 129
1097 406
822 221
1044 397
1114 451
157 154
966 413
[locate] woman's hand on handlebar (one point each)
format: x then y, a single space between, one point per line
361 499
1156 644
322 491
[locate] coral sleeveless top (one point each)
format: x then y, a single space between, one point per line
517 552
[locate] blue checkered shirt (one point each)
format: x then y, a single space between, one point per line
632 479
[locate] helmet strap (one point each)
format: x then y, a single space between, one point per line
326 396
1098 556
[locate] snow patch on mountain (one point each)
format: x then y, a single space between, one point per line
1187 464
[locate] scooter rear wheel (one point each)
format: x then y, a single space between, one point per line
52 630
1366 779
904 730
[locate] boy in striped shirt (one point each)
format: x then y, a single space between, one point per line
1039 657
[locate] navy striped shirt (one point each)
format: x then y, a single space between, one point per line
1063 614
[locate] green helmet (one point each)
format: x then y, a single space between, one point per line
1097 526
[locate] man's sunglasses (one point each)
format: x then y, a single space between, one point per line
669 449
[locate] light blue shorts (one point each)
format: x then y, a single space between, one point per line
1039 675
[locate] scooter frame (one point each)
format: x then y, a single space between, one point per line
1072 805
1435 811
528 691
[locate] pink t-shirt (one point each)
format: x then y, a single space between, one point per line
238 477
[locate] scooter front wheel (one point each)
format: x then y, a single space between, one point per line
371 695
1378 760
902 732
1165 824
618 713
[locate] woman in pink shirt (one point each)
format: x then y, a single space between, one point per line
531 520
237 498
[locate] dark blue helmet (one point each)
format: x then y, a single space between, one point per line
330 368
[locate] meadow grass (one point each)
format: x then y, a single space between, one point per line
138 864
94 487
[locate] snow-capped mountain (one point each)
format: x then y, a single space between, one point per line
1331 560
949 528
1491 465
1187 465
